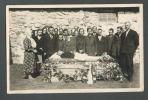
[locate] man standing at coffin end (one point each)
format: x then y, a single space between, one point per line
129 44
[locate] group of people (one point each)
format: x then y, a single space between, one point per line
43 43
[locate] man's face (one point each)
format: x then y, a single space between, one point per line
99 32
94 29
40 32
44 30
127 25
89 31
118 30
110 32
81 31
51 31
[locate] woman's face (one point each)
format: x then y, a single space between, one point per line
66 32
56 31
44 30
89 31
81 31
60 37
61 31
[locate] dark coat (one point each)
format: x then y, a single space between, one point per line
101 45
128 47
61 44
80 43
109 43
115 51
48 45
70 44
130 42
39 45
56 37
90 47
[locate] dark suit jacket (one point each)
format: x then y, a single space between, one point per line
39 44
80 43
109 43
90 45
48 44
60 44
115 50
130 42
56 37
70 45
101 45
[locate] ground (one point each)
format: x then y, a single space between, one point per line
18 83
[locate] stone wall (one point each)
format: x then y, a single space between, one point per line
19 19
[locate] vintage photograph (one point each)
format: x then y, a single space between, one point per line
71 48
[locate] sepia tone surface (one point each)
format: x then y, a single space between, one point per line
69 18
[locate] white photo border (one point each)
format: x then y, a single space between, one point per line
141 45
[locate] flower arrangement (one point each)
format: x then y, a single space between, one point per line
105 68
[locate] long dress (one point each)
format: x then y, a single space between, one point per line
29 56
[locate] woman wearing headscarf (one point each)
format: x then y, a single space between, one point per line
29 56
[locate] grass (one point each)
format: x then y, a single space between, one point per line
18 83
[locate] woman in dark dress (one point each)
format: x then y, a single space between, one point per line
90 47
29 56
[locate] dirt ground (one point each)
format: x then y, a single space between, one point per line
18 83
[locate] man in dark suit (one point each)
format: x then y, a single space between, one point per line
101 44
90 43
116 44
110 38
48 42
129 44
80 41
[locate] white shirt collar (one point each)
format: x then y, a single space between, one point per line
99 37
127 31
